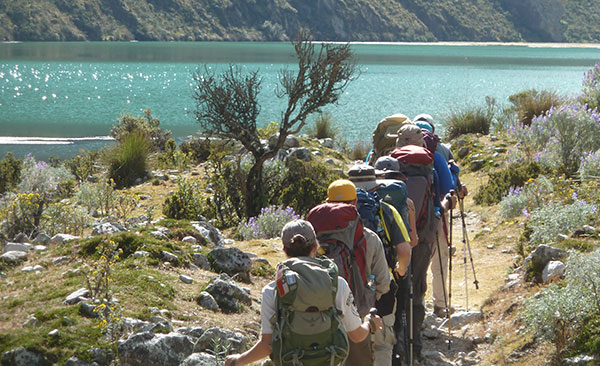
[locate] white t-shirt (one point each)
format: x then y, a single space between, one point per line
344 301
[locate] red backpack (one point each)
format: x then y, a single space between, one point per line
341 236
416 162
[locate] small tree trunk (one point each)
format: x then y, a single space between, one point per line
255 193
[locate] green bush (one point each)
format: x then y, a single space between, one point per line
591 88
558 218
10 171
127 161
186 202
146 125
323 127
83 165
65 219
268 224
500 182
197 148
520 201
476 120
305 184
360 150
531 103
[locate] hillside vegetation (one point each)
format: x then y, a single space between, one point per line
277 20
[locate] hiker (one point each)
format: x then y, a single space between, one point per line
361 245
386 222
322 305
416 162
448 178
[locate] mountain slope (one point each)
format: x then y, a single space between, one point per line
275 20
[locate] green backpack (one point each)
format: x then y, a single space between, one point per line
307 326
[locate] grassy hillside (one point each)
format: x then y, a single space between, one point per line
344 20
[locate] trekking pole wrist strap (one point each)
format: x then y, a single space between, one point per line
372 326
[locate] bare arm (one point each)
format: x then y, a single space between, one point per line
360 333
260 350
414 238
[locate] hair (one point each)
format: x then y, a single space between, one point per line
298 246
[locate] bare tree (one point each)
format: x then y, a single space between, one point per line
227 104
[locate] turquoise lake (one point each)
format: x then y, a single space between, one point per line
65 90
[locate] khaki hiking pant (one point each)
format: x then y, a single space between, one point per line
437 284
385 340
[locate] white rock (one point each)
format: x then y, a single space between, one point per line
53 333
140 253
16 247
491 246
552 271
186 279
460 319
62 238
76 296
190 239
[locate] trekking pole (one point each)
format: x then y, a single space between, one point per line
437 239
450 276
411 321
373 313
467 245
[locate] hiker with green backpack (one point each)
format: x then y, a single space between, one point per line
357 252
383 219
308 314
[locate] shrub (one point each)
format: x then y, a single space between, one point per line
500 182
589 166
147 125
22 213
269 130
99 197
531 103
591 88
197 148
323 127
477 120
10 171
186 202
83 165
559 312
562 136
268 224
360 150
47 181
305 184
127 161
65 219
173 158
557 218
521 201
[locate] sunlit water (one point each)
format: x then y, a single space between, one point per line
66 90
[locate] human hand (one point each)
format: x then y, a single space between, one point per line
462 191
375 322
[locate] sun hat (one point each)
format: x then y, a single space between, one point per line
363 176
424 117
296 227
386 164
341 190
410 135
394 123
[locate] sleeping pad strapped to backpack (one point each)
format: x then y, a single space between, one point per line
307 325
340 234
416 163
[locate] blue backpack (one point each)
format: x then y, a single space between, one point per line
368 209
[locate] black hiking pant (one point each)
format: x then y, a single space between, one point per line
420 260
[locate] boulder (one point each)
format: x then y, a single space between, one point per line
77 296
87 310
108 228
42 238
209 232
553 270
542 255
327 142
190 239
301 153
169 257
462 318
290 141
207 301
227 293
132 326
201 261
102 356
150 349
62 238
59 260
477 164
206 342
192 332
157 324
74 361
21 238
159 235
200 359
230 260
22 357
13 258
16 247
140 254
186 279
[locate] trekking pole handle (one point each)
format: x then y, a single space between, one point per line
372 324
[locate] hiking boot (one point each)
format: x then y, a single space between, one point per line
440 312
